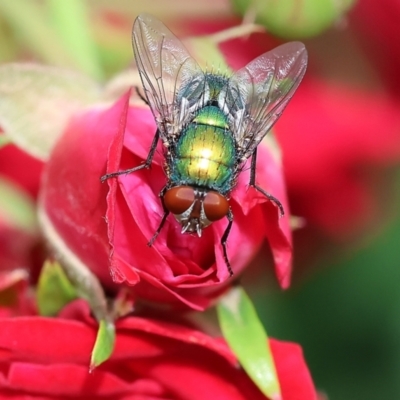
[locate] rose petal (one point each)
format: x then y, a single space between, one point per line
149 356
55 380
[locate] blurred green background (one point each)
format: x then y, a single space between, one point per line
345 315
344 303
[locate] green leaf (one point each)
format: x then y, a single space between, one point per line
54 290
17 208
9 47
70 20
104 344
28 20
4 140
247 338
113 48
37 101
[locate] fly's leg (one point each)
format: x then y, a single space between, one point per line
261 190
141 96
164 218
224 240
146 164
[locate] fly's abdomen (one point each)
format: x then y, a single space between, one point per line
205 152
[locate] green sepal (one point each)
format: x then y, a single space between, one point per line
54 289
248 339
104 345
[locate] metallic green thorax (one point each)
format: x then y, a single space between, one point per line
205 154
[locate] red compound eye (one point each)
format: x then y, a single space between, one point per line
216 206
178 199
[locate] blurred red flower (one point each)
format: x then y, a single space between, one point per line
16 245
152 359
177 268
21 168
15 298
19 236
331 136
376 25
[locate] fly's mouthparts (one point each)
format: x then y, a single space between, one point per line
185 228
198 229
192 226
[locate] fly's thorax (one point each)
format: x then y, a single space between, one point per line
205 88
195 208
215 84
205 154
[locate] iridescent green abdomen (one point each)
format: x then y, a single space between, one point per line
205 153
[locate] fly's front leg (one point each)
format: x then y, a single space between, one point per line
261 190
164 217
224 240
146 164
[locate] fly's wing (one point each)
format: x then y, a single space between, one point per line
257 94
166 69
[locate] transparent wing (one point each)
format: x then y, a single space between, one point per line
257 94
166 69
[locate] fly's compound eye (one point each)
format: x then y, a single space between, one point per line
179 199
215 206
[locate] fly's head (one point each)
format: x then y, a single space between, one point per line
195 208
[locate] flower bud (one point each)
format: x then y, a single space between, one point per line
293 18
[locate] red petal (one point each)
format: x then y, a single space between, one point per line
73 381
294 376
149 356
269 176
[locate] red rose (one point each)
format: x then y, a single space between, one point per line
177 268
48 359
